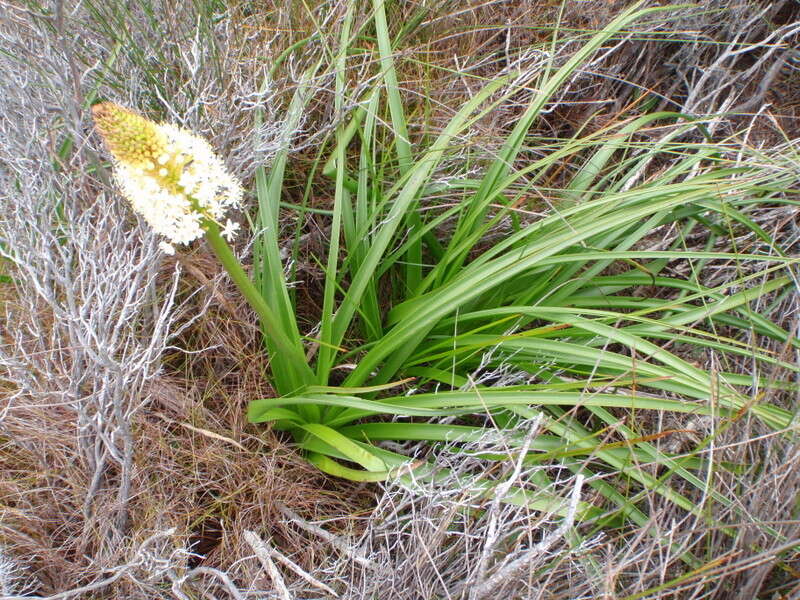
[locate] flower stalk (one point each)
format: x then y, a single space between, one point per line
269 321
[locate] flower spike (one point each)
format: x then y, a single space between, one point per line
171 177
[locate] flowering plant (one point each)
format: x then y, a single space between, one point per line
524 328
175 181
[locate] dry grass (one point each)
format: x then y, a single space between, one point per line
127 467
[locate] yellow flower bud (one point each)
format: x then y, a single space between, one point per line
131 138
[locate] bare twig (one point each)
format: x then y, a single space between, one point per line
514 569
179 582
343 546
142 557
264 552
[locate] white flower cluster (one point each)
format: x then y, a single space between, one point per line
171 177
204 190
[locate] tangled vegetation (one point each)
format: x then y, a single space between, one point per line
514 315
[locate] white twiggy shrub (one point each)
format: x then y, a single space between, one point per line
89 329
88 324
453 536
13 579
